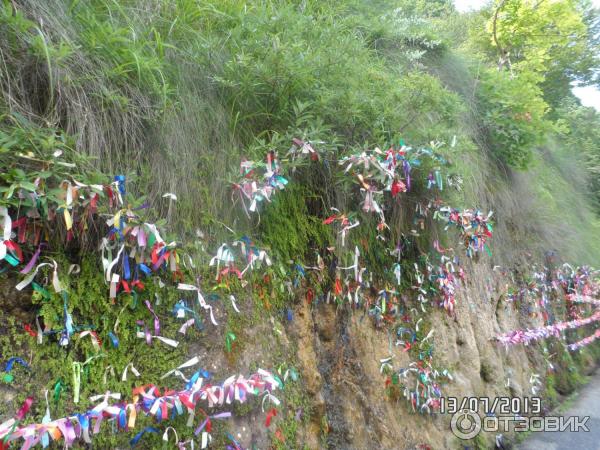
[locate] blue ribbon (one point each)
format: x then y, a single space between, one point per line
204 373
145 205
300 269
138 436
120 179
144 268
83 421
231 438
122 418
67 316
127 272
180 305
114 231
12 361
113 339
122 224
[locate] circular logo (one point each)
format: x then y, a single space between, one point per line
465 424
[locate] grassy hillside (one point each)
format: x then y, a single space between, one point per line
174 94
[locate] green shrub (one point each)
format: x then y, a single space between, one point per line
513 116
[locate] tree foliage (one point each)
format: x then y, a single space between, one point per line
538 49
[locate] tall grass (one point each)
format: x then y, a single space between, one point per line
174 91
110 73
546 208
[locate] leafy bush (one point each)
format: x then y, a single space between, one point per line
513 117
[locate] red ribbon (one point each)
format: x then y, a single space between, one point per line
93 333
93 204
110 194
21 224
154 255
178 276
309 296
272 413
25 408
279 435
330 219
338 286
15 248
126 287
397 187
185 399
231 269
31 332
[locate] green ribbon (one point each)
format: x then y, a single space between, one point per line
134 299
278 380
151 240
487 249
57 390
43 292
11 260
229 338
76 380
77 367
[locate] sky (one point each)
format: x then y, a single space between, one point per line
467 5
589 96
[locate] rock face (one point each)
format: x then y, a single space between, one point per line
339 352
16 303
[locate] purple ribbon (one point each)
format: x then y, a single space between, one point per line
32 261
406 167
156 321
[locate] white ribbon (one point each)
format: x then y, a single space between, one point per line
189 363
232 298
201 301
7 229
164 340
133 370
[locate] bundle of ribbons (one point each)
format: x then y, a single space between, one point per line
474 226
131 248
585 341
392 168
250 254
446 281
390 171
419 383
555 330
258 182
147 400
